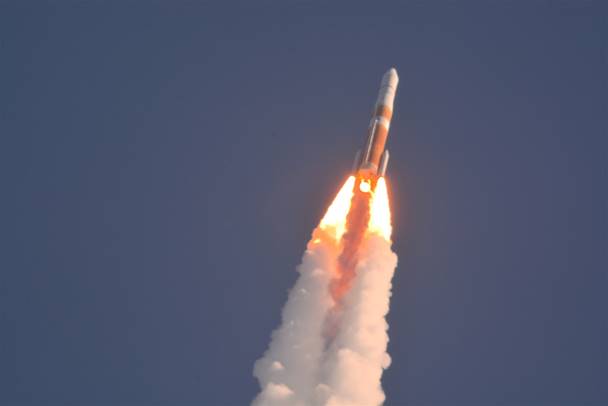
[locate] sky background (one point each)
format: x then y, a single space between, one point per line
162 165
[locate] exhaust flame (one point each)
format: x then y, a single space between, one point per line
330 349
380 219
365 186
334 221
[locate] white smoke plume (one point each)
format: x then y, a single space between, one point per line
357 356
307 364
288 370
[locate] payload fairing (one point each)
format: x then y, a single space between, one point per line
371 161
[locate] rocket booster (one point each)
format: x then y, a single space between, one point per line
372 160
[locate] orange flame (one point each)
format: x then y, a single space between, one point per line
334 221
380 219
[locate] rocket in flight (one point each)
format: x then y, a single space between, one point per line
371 161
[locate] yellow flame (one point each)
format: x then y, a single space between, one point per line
380 218
334 220
365 186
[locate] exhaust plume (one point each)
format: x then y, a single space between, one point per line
288 371
331 346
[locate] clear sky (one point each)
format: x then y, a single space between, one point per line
162 165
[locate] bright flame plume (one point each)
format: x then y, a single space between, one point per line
334 221
380 219
365 186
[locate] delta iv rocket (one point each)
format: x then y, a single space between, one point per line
371 161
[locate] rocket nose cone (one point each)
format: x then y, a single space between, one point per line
390 78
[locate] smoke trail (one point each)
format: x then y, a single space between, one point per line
331 347
357 356
288 370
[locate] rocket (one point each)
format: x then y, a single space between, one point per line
371 161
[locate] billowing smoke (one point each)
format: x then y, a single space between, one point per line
357 355
289 370
331 346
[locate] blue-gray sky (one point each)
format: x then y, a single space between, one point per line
162 165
